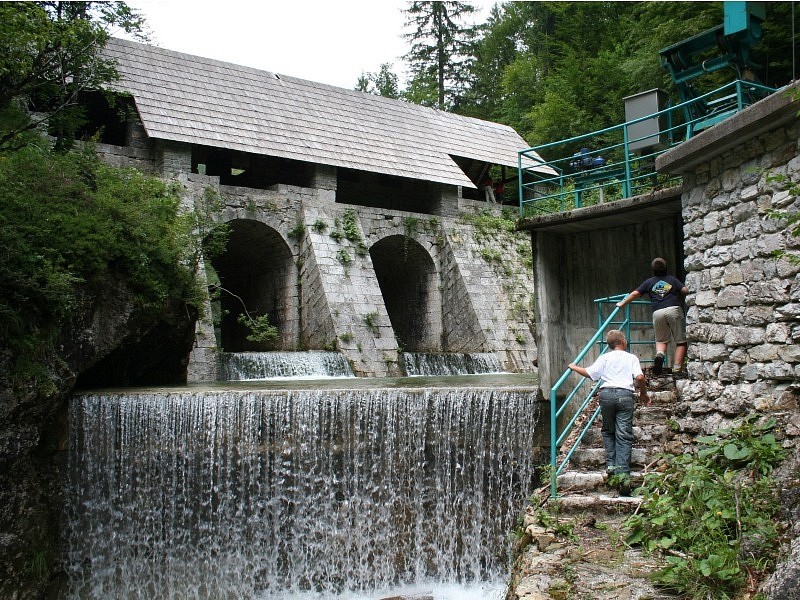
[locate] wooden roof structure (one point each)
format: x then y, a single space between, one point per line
195 100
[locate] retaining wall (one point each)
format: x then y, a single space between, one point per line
743 317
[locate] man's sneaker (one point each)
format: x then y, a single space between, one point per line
680 374
658 364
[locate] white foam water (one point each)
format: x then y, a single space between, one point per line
289 494
313 364
424 364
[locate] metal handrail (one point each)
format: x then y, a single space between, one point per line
556 438
555 185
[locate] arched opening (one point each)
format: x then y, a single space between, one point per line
256 274
410 288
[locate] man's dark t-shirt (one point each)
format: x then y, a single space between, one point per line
664 291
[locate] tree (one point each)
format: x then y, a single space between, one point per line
441 52
383 83
49 53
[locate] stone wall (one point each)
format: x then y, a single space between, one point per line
743 317
477 294
743 320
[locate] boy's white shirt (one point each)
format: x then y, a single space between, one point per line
617 368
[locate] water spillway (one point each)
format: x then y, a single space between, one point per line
291 493
443 364
245 366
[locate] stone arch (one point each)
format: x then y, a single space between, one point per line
409 285
258 270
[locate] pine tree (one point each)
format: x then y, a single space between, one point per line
441 52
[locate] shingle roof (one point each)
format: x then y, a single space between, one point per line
186 98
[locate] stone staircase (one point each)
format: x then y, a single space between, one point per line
584 485
579 552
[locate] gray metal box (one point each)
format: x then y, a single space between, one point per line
648 134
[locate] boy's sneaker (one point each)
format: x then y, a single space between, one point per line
680 374
658 364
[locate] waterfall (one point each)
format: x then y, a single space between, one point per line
245 366
277 494
436 364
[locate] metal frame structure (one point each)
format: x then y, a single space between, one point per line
601 166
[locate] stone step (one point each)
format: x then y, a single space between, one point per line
595 458
643 435
663 396
590 481
606 503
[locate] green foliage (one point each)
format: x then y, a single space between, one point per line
713 513
208 237
319 226
50 52
350 226
383 83
488 224
298 231
347 229
371 321
410 226
552 521
790 217
260 328
68 222
491 254
343 256
39 568
337 235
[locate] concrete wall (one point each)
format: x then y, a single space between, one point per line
593 253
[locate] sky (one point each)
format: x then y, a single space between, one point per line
328 41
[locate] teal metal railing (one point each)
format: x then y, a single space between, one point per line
615 163
574 397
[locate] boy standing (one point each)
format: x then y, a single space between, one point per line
621 374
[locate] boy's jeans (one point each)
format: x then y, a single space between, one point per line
616 408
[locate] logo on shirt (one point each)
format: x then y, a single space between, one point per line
661 288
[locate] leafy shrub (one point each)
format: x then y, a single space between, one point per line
260 328
713 513
66 222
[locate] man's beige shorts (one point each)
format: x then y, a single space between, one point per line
670 324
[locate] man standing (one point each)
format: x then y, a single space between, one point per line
621 374
666 299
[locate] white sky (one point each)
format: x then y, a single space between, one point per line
328 41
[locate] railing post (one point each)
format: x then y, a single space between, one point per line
626 186
519 184
553 439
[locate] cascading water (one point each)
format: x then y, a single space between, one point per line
285 494
440 364
245 366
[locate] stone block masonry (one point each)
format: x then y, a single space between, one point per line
743 316
373 282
